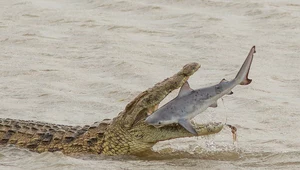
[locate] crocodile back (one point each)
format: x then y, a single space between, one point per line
41 137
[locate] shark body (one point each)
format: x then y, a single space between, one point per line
190 103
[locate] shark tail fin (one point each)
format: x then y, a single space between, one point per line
242 76
246 81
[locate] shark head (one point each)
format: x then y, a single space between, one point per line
159 120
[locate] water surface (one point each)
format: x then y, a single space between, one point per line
76 61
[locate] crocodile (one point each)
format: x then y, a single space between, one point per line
126 134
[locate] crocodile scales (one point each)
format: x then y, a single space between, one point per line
126 134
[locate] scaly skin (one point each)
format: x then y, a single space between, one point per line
126 134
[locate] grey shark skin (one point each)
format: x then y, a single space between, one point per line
190 103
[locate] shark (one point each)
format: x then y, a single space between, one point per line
190 103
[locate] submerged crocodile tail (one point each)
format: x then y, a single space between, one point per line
40 136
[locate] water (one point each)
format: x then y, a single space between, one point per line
76 61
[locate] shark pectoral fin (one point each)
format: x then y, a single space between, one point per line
214 105
188 126
185 89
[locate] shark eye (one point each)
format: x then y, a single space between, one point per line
159 123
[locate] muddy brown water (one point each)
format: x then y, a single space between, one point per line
77 61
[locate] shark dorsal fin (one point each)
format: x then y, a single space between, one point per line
185 89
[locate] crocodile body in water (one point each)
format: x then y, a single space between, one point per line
126 134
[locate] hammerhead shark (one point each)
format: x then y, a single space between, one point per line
190 103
